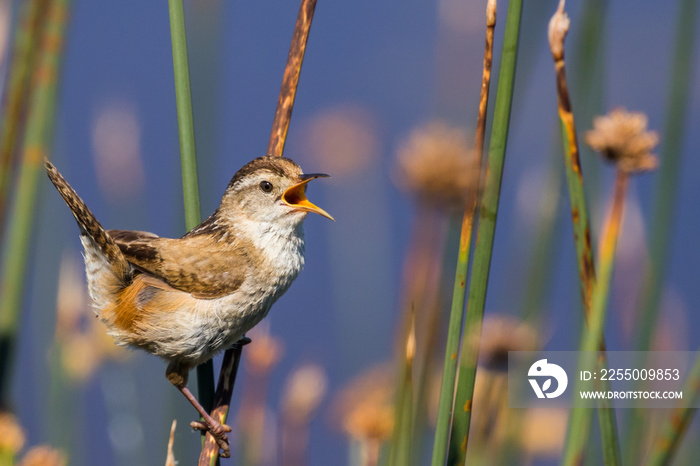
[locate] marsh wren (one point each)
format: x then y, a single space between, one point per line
185 299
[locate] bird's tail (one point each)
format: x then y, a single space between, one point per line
107 268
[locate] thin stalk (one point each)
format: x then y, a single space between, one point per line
487 221
370 450
290 80
185 121
594 337
25 51
487 225
587 87
588 82
278 137
606 260
435 295
662 220
543 249
665 445
222 399
400 449
36 146
206 43
188 161
580 419
460 422
427 262
574 175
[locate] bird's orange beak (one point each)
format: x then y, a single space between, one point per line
295 196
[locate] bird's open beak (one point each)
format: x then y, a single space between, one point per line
295 196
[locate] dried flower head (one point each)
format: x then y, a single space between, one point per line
264 352
490 417
44 455
116 139
343 140
622 138
82 340
558 28
79 357
501 334
71 299
434 165
365 406
303 392
543 430
11 434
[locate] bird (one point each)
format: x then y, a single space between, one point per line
186 299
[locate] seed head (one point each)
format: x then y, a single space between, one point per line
303 392
83 343
558 28
622 138
44 455
434 165
11 434
365 406
265 352
501 334
543 430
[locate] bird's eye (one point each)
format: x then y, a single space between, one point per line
266 186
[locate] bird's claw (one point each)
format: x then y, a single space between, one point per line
218 432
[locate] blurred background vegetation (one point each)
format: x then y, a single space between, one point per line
387 104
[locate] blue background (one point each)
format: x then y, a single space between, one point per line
399 65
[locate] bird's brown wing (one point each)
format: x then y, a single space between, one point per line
196 265
139 249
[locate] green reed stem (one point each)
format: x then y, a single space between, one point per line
580 418
482 255
487 225
543 252
587 79
587 87
665 445
592 339
661 221
188 157
400 448
36 146
188 160
457 449
25 50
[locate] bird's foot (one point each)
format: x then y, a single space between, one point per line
218 431
242 341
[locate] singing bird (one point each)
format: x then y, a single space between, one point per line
185 299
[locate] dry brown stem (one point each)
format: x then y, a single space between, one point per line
283 114
558 28
278 136
222 400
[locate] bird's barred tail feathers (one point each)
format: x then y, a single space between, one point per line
90 228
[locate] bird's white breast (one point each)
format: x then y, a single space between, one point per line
224 320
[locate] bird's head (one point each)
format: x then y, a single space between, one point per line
269 190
